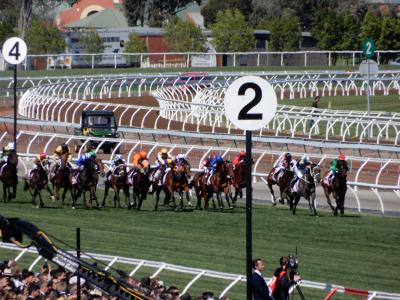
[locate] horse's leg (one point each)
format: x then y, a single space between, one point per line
14 193
50 192
198 196
296 201
311 201
64 193
141 198
40 198
77 193
4 192
272 192
57 191
328 199
106 188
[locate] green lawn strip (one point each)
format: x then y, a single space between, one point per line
97 71
340 250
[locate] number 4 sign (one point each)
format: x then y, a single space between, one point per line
250 102
14 50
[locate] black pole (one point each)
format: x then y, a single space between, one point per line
15 107
78 255
249 199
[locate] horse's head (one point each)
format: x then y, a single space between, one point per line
121 169
342 168
315 172
229 169
145 165
186 169
100 166
13 158
46 165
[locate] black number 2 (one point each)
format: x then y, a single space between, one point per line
244 112
15 51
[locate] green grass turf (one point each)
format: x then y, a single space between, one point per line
88 71
359 251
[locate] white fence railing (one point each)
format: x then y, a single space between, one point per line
374 174
234 279
201 103
191 59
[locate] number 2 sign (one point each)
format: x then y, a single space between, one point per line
14 50
250 102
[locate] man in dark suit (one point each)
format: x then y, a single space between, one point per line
259 288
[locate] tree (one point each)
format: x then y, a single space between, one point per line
90 42
231 32
285 33
389 38
371 26
42 38
183 36
211 9
155 12
134 45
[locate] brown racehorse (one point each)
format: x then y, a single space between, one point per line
9 177
199 183
175 180
283 181
118 181
239 181
60 178
220 182
37 180
338 187
141 183
87 181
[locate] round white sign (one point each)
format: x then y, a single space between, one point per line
14 50
368 66
250 102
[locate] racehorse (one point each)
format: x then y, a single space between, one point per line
220 182
140 183
37 180
283 182
199 183
118 180
239 181
175 180
87 181
305 189
9 177
60 178
338 187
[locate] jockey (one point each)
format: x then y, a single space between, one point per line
138 158
205 165
334 169
300 169
181 158
217 160
118 160
60 151
163 161
6 151
239 158
85 157
38 162
285 162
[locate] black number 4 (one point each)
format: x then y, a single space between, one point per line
244 112
15 51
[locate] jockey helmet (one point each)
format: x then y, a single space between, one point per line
64 147
42 156
92 153
164 151
118 157
242 153
341 156
143 154
180 156
11 146
288 155
206 162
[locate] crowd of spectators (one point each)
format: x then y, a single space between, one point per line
59 284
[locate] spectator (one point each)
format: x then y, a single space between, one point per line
314 105
33 292
287 279
259 288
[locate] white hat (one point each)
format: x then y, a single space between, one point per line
74 280
11 146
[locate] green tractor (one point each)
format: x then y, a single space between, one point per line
97 123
